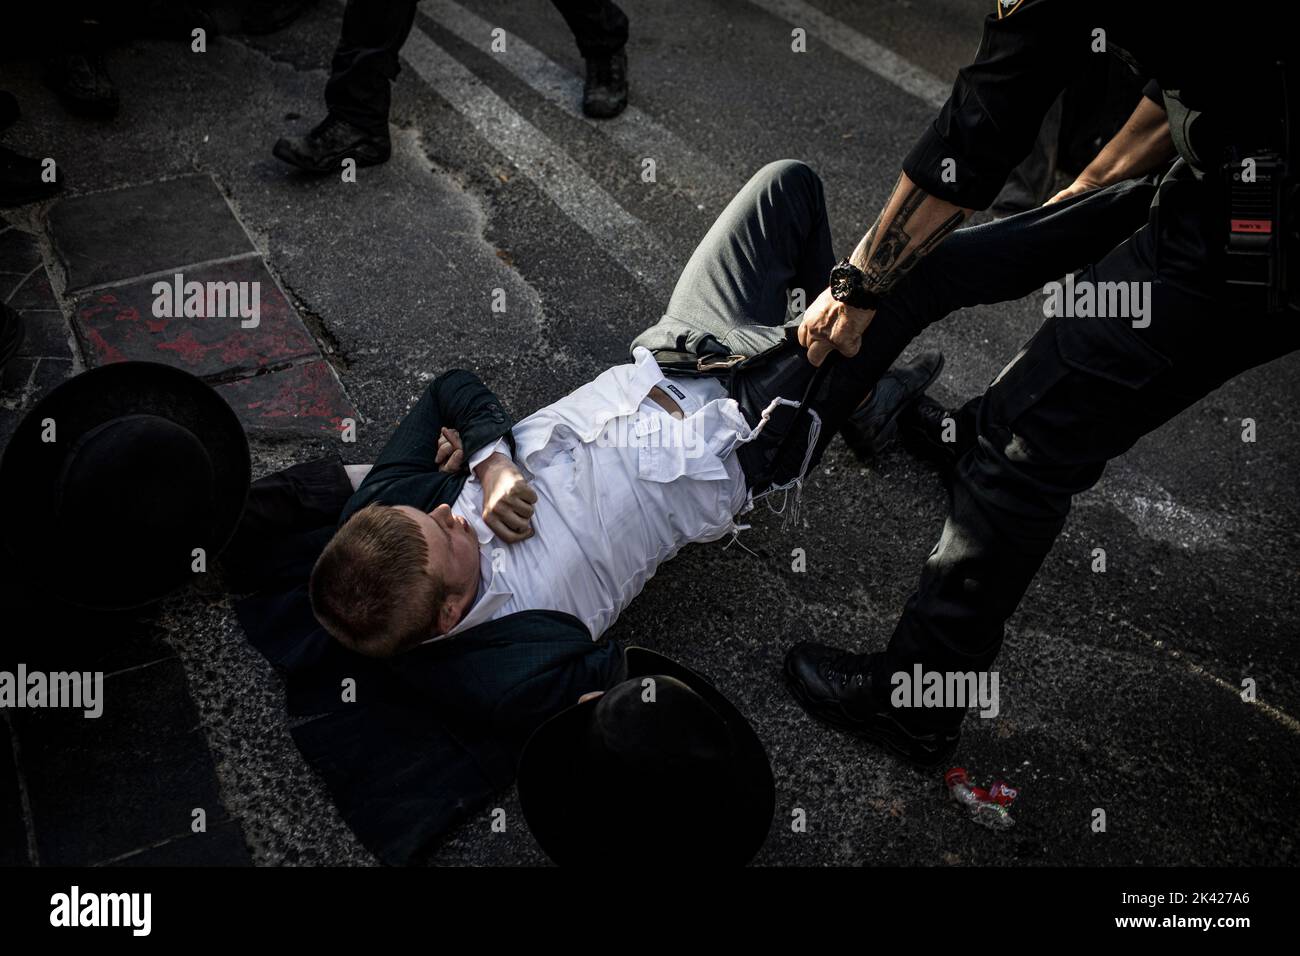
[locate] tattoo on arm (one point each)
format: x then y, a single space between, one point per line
884 256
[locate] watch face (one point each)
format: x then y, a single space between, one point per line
843 280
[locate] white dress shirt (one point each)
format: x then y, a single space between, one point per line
621 486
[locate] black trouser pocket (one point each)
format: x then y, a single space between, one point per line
1107 349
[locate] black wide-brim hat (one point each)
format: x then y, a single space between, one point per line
147 464
579 820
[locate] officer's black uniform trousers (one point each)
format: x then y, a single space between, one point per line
1080 392
366 60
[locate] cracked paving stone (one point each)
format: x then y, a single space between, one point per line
119 325
122 233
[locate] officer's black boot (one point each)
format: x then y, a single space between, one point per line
605 93
325 147
872 426
937 434
839 688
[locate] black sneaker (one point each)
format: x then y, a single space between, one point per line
83 84
20 180
334 140
873 426
836 688
605 92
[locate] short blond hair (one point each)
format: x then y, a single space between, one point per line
371 587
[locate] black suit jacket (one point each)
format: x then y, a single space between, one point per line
431 734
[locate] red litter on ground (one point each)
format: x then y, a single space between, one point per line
988 807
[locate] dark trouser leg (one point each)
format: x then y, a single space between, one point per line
599 26
772 237
1083 391
994 262
365 62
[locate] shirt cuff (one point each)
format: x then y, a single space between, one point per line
487 451
1153 92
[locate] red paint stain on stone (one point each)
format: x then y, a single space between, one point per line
107 353
309 394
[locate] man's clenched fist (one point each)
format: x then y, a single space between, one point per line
508 499
830 324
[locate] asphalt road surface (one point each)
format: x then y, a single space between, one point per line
1119 690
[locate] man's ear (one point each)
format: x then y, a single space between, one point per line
446 618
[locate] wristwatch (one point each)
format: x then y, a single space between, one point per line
847 286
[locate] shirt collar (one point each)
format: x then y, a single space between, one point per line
493 591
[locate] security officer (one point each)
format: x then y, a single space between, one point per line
1209 260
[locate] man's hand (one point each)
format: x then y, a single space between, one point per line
1083 184
450 456
1144 143
507 499
830 324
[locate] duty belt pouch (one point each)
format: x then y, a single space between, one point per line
1260 176
1259 234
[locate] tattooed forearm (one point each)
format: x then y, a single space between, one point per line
912 224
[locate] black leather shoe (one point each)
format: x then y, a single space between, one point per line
334 140
923 428
20 180
605 93
836 688
873 426
83 84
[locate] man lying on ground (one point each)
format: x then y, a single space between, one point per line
574 509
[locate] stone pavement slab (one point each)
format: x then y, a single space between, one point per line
46 336
25 287
128 780
32 292
24 382
304 399
118 245
221 845
19 255
119 324
123 233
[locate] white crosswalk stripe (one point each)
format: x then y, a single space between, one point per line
551 169
678 164
863 50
